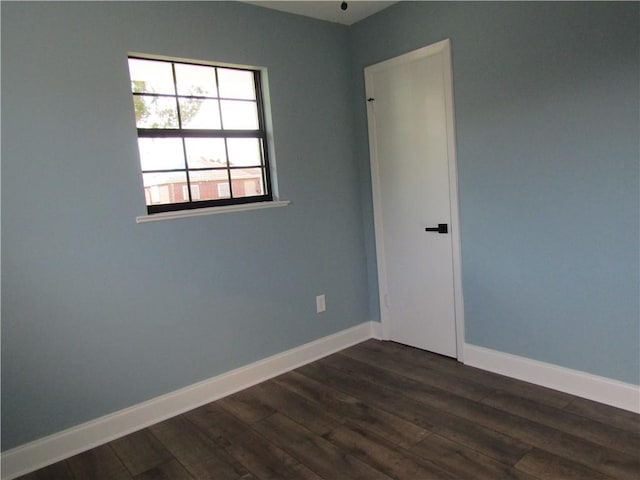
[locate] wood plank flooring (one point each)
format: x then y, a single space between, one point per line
378 410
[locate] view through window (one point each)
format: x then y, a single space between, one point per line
201 134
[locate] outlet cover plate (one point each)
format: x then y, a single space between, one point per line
321 304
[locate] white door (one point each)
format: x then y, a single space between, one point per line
410 113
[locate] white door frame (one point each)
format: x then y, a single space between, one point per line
444 47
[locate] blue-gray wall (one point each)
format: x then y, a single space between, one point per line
99 313
547 106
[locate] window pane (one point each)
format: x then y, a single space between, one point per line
160 188
161 153
150 76
155 112
247 182
199 113
236 84
239 115
244 152
205 152
196 80
211 184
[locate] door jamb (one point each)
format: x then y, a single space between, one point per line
444 47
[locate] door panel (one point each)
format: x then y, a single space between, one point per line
409 120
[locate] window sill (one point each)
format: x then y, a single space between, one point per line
156 217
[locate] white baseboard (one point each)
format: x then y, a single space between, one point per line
376 330
600 389
45 451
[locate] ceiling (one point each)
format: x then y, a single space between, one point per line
328 10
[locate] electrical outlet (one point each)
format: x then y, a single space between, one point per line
321 304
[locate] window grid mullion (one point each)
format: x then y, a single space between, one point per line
184 146
226 149
199 133
200 169
226 146
197 97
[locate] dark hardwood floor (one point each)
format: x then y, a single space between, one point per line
377 410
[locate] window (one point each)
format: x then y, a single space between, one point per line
201 134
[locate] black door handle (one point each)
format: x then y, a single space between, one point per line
441 228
